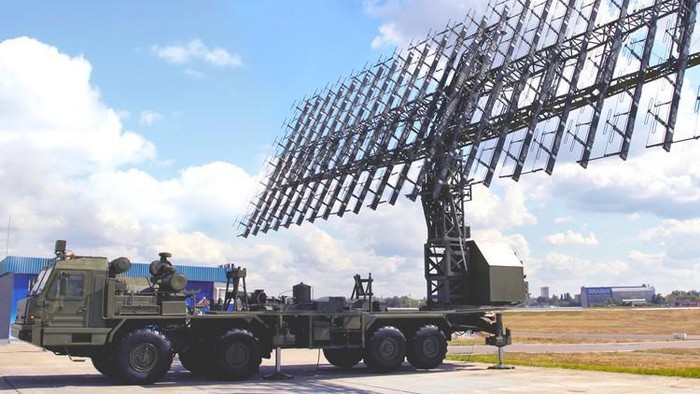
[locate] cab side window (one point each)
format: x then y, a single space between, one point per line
74 285
68 285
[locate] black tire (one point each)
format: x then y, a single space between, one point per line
143 356
103 361
386 350
197 360
344 358
238 355
427 348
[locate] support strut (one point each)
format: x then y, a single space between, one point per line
446 253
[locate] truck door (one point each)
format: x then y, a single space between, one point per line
67 300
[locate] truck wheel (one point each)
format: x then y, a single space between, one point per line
196 360
103 362
238 355
144 356
343 358
427 348
386 350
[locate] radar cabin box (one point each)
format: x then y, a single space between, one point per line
496 274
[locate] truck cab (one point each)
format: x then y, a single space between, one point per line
63 304
77 301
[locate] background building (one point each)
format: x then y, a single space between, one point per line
616 295
544 291
17 272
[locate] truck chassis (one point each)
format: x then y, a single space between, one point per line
84 307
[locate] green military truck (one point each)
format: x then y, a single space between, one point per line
131 328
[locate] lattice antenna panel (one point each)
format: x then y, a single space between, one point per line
516 89
591 106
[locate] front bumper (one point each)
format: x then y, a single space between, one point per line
23 332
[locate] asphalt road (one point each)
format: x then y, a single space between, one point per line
575 347
660 337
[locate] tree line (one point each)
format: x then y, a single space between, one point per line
562 300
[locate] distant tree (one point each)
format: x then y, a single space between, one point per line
658 299
554 300
567 300
403 302
682 295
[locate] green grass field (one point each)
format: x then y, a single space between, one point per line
667 362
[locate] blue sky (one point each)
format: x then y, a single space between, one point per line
130 128
218 113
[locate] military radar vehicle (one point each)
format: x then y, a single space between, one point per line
507 92
131 328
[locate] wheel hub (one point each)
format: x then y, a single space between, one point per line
144 357
388 349
237 355
430 347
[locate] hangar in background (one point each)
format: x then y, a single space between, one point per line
617 295
17 272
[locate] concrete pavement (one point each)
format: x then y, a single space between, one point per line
26 369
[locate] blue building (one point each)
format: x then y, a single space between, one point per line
616 295
17 272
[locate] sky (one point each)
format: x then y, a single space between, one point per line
131 128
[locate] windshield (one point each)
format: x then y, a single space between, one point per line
41 281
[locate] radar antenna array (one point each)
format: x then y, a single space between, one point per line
507 91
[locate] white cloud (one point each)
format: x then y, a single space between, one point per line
123 114
667 185
68 169
489 209
190 72
388 231
56 133
196 50
404 20
679 239
646 260
48 105
665 272
571 238
559 270
149 117
633 217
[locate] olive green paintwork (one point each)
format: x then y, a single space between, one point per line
82 307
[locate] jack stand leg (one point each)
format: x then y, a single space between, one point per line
501 340
500 364
278 375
